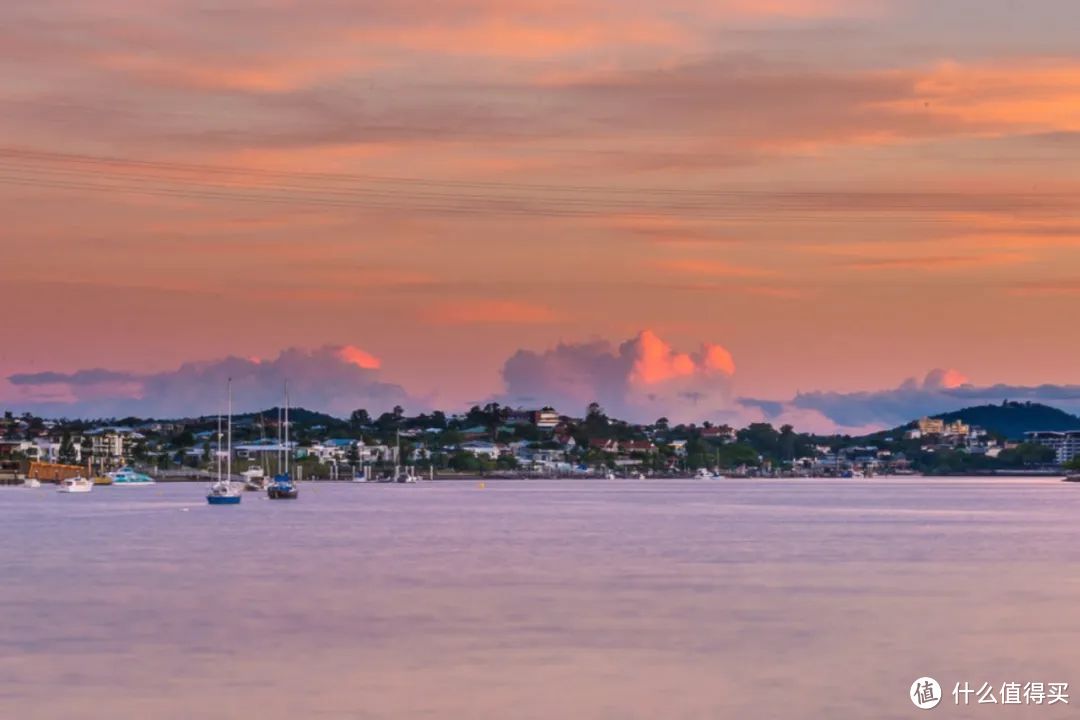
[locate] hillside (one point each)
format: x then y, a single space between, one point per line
297 416
1013 419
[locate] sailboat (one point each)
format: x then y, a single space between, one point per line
282 486
222 491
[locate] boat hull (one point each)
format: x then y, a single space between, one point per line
281 494
68 489
223 499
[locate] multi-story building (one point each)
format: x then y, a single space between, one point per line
107 447
932 426
1065 443
545 418
957 427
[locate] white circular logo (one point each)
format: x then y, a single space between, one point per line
925 693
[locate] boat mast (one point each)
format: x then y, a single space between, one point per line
228 457
286 427
218 453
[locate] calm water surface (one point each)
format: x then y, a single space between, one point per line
657 599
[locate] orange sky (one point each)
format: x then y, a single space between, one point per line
832 194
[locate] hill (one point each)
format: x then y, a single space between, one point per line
298 417
1013 419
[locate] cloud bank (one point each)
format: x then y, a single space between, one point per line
940 391
334 379
641 379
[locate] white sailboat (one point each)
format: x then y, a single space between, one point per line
222 491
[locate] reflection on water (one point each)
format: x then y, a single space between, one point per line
658 599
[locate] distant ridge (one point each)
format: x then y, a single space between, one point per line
1013 419
297 416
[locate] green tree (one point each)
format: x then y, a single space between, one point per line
67 449
359 419
1027 454
732 455
596 421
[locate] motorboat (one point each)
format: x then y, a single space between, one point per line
75 485
128 477
254 479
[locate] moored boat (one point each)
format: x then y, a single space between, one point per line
75 485
254 479
282 486
128 477
223 491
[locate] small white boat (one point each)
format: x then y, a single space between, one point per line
254 479
31 483
76 485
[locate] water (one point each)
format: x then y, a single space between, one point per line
521 600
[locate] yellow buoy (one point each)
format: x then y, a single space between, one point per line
481 485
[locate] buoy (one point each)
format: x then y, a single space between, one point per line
482 486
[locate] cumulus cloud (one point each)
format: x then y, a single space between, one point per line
641 379
334 379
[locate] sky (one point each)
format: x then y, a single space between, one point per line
836 213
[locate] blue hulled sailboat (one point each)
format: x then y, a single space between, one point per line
223 491
282 486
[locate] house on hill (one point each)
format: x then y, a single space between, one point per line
607 445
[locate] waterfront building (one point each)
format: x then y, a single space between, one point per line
483 448
1065 443
261 449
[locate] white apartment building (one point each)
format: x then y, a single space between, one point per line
1066 443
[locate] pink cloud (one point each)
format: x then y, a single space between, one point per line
656 362
359 358
640 379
